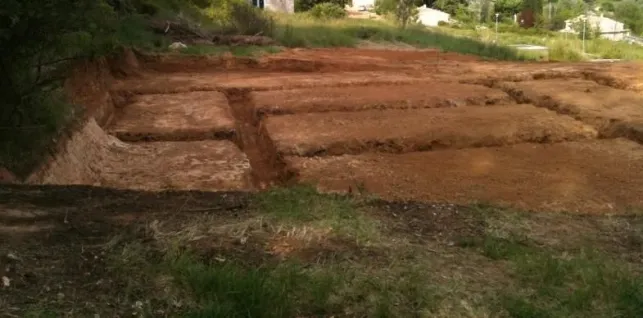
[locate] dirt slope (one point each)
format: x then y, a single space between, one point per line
531 135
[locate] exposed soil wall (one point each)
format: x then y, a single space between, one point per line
79 159
89 83
78 155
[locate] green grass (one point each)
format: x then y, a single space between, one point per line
562 47
300 30
303 205
554 283
229 290
25 141
241 51
478 262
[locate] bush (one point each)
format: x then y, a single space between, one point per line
307 5
328 10
238 17
248 20
37 41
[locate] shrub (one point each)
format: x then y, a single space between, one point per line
306 5
240 18
328 10
249 20
37 40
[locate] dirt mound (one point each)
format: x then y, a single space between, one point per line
400 131
426 94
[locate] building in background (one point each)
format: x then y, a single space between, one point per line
287 6
431 17
363 5
607 28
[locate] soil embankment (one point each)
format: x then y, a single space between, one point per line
402 125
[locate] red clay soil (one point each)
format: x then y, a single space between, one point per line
193 165
402 131
375 56
271 63
185 116
185 82
428 94
599 176
92 157
614 112
307 60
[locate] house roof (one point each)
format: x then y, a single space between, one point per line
593 18
424 8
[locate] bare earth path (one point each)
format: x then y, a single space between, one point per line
411 125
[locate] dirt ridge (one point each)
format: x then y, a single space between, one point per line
607 128
268 167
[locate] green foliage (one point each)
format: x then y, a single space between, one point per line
300 30
383 7
239 17
564 51
231 290
328 10
586 30
453 7
306 5
406 13
507 8
630 12
568 285
251 51
37 40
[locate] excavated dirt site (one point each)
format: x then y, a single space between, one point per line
403 125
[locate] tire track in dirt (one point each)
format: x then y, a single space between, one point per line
268 167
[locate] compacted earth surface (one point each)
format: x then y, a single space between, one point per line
402 125
394 184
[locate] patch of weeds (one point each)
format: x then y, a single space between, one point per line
402 289
304 205
242 51
502 248
40 313
551 283
232 290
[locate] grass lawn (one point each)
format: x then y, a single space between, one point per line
296 253
300 30
562 47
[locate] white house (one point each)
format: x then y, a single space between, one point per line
367 4
431 17
608 28
287 6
